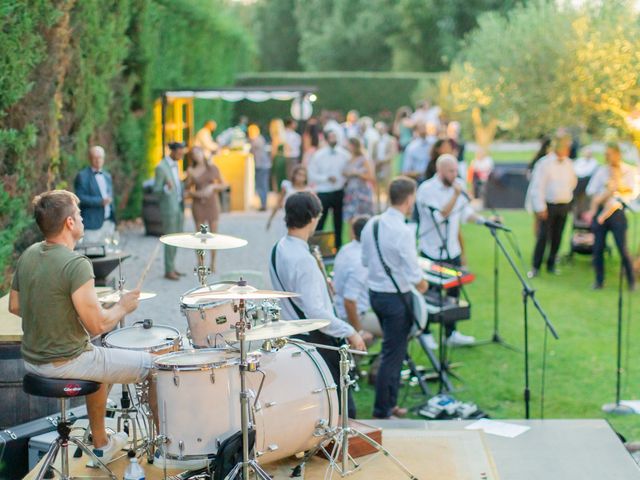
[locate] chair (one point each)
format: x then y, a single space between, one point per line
63 389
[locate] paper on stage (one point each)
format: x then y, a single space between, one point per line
502 429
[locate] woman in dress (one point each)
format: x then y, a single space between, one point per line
440 147
298 183
358 190
203 183
278 160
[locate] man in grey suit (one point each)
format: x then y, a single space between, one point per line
170 190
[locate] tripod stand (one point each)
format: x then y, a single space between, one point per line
339 458
527 294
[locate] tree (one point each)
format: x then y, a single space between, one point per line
277 36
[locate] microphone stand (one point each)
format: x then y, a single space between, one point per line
617 408
527 294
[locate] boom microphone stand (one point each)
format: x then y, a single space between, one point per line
527 294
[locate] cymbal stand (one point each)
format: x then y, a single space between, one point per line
202 271
241 469
339 458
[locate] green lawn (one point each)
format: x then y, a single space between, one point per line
581 364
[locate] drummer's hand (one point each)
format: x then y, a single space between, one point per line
129 301
356 342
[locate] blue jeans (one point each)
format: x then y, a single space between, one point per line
396 322
262 185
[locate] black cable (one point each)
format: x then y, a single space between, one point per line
544 370
629 306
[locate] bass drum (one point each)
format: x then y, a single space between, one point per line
299 400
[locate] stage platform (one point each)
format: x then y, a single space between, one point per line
550 450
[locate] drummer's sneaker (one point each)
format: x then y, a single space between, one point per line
117 442
457 339
173 464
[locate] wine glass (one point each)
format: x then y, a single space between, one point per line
115 241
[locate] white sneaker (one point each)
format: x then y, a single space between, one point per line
457 339
174 464
117 442
430 341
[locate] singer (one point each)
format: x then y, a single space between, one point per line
610 187
442 205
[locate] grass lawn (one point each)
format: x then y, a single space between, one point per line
581 364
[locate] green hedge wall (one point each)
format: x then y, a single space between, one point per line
371 93
79 72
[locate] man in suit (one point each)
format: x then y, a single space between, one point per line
170 191
94 188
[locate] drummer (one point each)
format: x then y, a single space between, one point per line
53 291
293 269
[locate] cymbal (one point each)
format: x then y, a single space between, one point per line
114 296
239 292
282 328
202 241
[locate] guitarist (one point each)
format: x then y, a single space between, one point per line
293 268
388 242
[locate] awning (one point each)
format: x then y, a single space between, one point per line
253 94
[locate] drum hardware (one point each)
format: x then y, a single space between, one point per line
339 457
202 240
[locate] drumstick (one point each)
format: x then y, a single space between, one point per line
148 266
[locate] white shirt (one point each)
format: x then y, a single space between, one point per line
104 191
335 127
433 193
598 183
293 143
173 165
585 167
300 273
552 181
204 140
350 279
328 162
398 248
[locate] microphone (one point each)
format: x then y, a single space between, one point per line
493 225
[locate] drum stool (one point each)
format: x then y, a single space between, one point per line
62 388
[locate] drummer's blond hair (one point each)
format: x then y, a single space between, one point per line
51 209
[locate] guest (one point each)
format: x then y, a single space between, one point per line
278 160
384 154
453 134
368 135
262 161
611 183
481 166
292 145
552 185
360 177
310 140
170 191
441 146
543 150
332 125
325 175
298 183
416 155
403 127
94 188
586 165
350 126
350 285
204 139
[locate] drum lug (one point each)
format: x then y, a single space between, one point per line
296 354
271 448
212 377
209 341
176 378
202 314
181 448
270 404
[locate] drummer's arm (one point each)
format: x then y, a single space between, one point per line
98 320
14 302
351 307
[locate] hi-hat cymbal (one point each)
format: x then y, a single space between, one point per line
114 296
238 292
202 241
282 328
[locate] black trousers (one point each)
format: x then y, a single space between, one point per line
332 359
396 322
332 201
550 231
616 224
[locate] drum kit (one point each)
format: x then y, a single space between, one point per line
236 393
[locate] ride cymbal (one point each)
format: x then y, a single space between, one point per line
282 328
202 241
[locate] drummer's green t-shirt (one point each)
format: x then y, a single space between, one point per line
46 276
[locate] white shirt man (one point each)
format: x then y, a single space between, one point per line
204 140
292 142
325 169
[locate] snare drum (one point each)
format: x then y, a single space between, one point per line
158 339
199 401
207 318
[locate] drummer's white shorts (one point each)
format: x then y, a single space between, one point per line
104 365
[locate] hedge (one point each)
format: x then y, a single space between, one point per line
375 94
78 72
